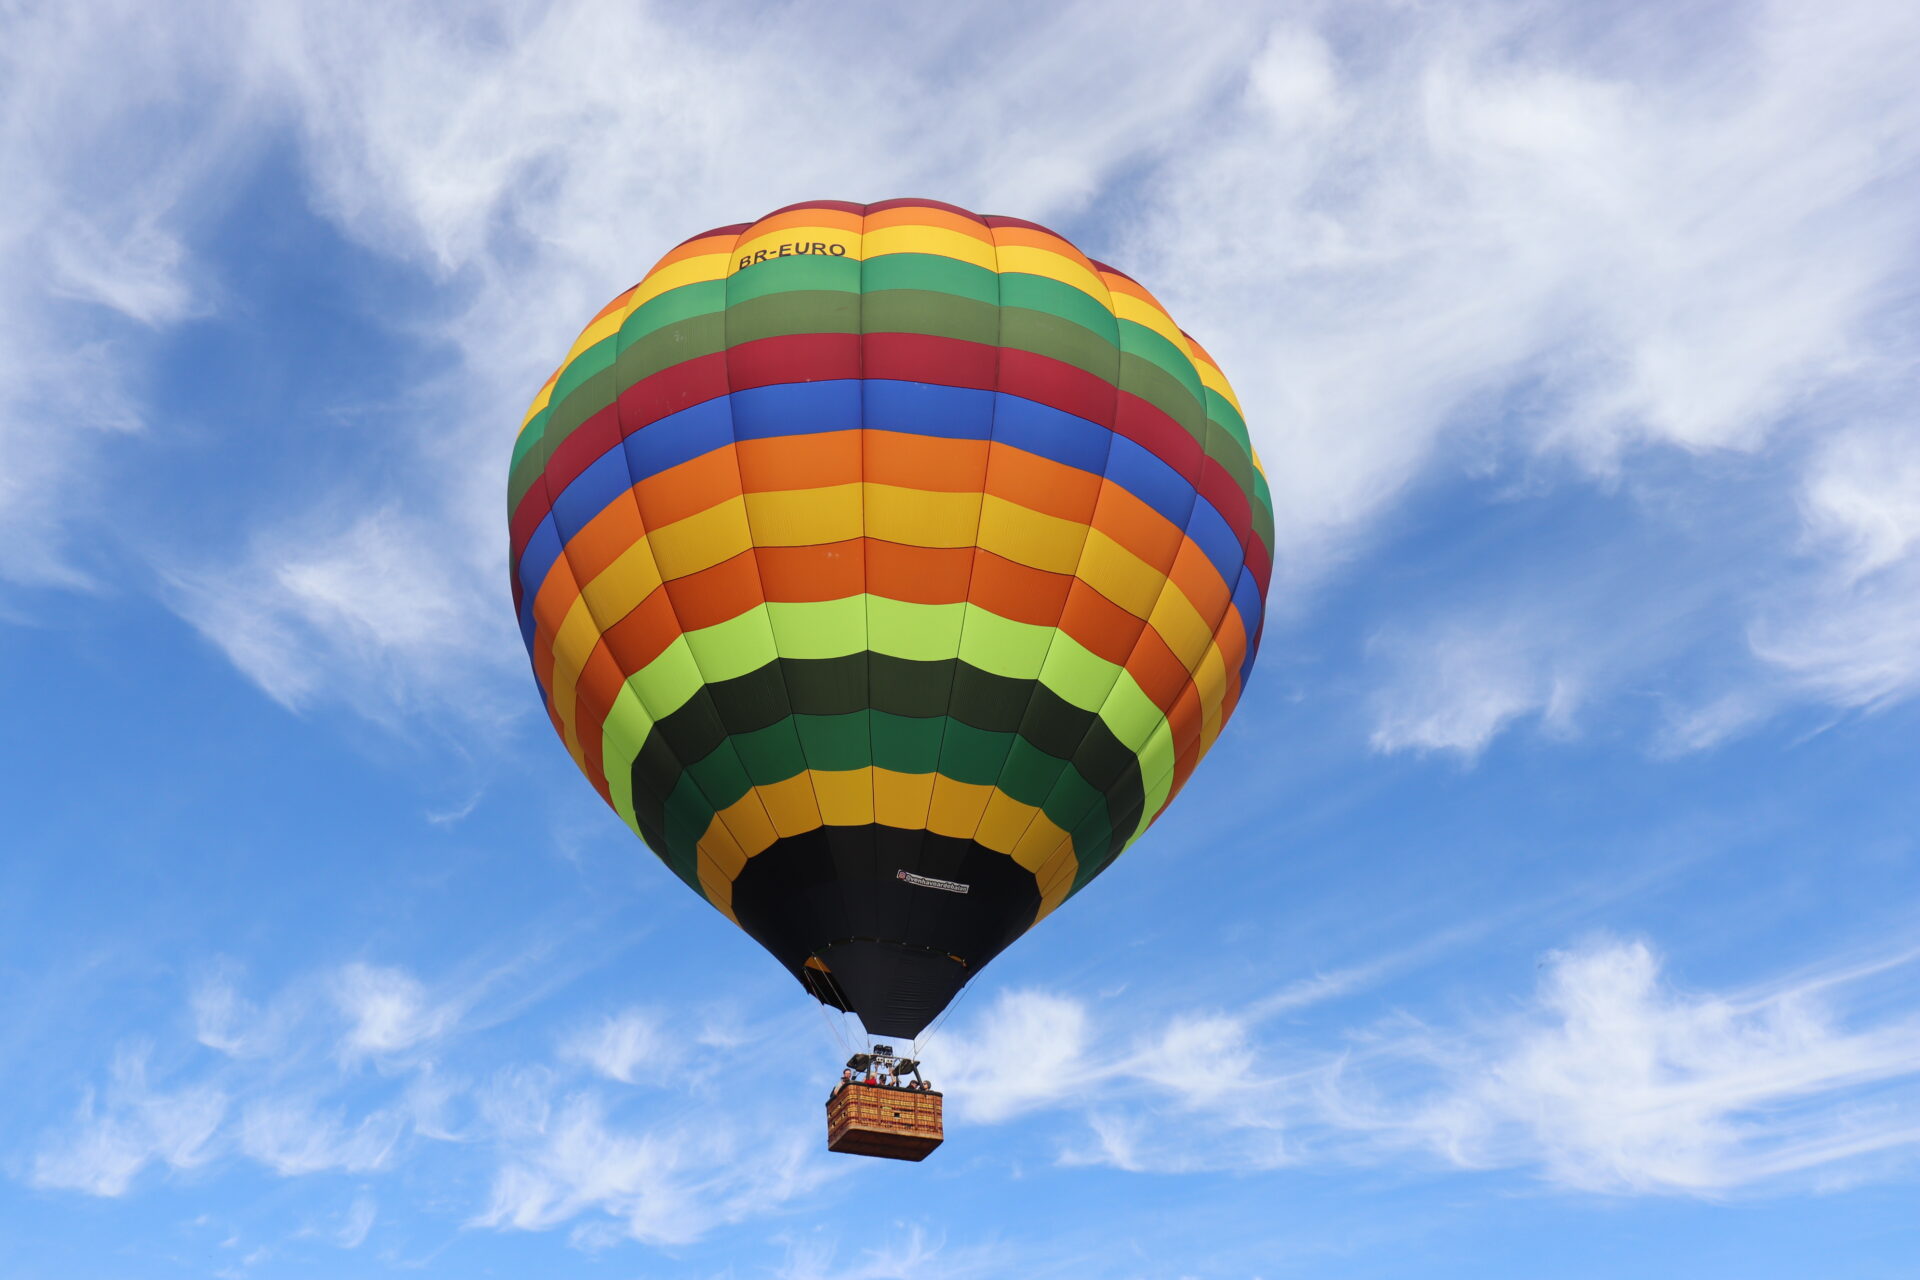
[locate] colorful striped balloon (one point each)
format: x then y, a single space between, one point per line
888 568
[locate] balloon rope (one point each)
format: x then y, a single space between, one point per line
834 1029
941 1021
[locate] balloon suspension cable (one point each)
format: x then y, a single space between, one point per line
920 1040
835 1028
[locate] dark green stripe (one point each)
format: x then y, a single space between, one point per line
810 709
902 743
911 293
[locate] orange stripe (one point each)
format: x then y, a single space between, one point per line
922 216
925 462
1017 592
691 249
792 462
1041 240
1100 625
1121 284
919 575
805 217
1041 484
780 463
829 571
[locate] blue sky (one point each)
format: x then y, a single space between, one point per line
1548 908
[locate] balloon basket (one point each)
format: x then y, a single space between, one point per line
891 1122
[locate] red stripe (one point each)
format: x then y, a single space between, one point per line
838 206
733 230
915 202
995 220
909 357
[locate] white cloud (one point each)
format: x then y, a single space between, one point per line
127 1126
1654 249
519 159
1454 690
1027 1051
292 1137
223 1019
286 1089
357 1222
1502 241
1487 237
912 1254
1617 1082
626 1047
1608 1080
1852 634
387 1009
114 129
360 597
662 1184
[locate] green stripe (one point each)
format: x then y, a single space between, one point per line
1103 774
907 293
904 744
1014 650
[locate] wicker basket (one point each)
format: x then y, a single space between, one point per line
880 1120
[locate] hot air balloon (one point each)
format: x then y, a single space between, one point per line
887 568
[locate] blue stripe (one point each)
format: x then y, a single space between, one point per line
841 404
1056 436
543 548
1246 599
679 437
1210 531
922 409
1136 469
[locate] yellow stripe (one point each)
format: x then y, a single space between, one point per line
701 540
943 241
706 266
1210 376
1030 537
1127 307
1121 576
922 518
694 270
1028 260
804 517
860 797
907 516
769 242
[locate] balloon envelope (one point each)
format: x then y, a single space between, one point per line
888 569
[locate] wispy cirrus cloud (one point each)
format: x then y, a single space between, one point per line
1609 1078
1850 632
1615 1081
287 1088
511 157
104 177
657 1183
626 1047
127 1125
1492 242
387 1009
1555 254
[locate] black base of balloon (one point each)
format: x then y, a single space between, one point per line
895 921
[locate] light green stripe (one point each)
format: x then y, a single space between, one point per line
838 628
